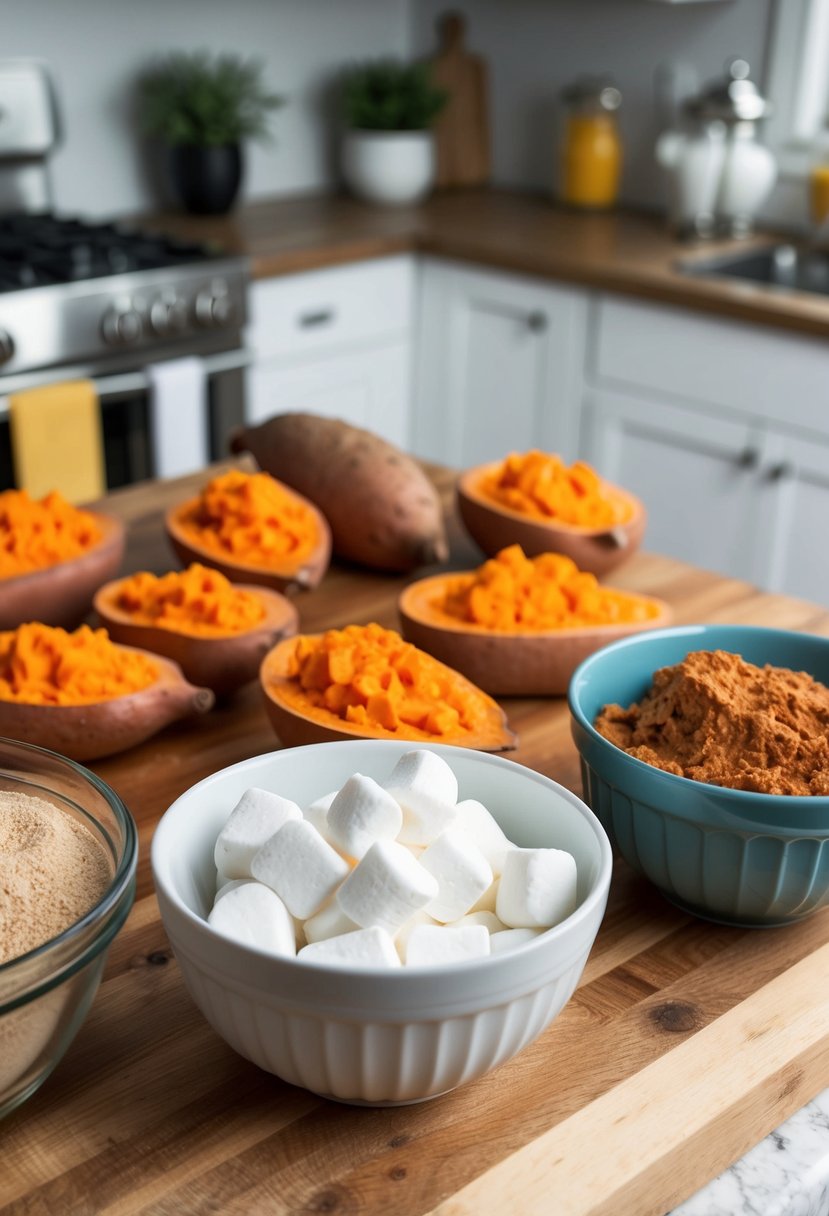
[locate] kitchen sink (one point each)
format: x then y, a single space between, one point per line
785 266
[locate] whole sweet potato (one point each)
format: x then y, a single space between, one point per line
382 509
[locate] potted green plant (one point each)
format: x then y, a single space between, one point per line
202 107
388 150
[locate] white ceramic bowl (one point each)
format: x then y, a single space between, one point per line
365 1036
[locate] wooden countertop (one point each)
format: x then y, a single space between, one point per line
685 1043
621 251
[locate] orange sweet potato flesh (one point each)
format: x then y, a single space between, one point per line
366 681
495 525
383 511
236 525
519 626
61 594
220 661
102 728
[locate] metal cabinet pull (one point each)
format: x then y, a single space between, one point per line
781 471
323 316
537 322
749 458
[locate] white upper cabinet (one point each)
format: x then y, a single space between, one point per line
498 367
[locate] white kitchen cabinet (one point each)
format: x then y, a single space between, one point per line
694 475
499 364
723 431
795 481
336 342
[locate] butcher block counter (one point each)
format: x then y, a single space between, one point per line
620 251
684 1045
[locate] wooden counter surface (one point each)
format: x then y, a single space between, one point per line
526 234
685 1043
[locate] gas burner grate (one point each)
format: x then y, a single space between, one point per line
36 250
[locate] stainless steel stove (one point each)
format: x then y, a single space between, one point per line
104 301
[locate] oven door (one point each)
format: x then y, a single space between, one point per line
131 449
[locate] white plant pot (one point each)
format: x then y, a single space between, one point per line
389 166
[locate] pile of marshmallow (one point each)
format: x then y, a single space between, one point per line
384 875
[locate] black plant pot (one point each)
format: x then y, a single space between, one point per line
206 179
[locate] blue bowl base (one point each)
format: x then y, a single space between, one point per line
732 922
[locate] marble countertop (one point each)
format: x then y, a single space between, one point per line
787 1174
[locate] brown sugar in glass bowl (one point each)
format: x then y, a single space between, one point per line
68 850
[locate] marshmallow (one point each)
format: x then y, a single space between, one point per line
403 934
363 948
254 915
229 884
317 813
330 921
427 790
386 887
489 898
474 819
511 939
256 817
300 866
537 888
462 873
361 813
488 919
431 945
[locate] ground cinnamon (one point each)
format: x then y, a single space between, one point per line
52 871
542 486
38 533
716 718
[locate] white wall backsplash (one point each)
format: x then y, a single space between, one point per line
534 47
95 48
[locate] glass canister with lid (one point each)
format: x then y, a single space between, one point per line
591 151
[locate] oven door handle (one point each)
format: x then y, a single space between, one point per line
118 384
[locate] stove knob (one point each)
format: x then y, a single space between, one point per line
120 327
168 314
6 346
213 308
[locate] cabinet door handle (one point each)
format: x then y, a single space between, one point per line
782 471
537 322
749 458
322 316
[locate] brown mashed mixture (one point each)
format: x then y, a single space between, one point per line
715 718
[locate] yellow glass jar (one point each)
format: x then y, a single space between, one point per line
591 152
818 180
819 193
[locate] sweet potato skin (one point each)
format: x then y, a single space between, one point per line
102 728
62 594
382 509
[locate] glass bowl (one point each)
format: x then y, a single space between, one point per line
46 993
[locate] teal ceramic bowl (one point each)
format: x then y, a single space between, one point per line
731 856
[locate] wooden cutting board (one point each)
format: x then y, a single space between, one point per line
462 128
684 1044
